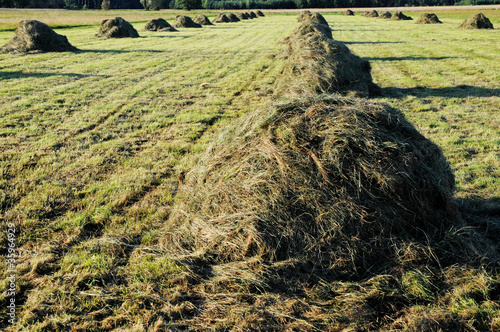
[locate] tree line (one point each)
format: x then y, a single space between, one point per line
229 4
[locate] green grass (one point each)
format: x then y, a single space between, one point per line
92 144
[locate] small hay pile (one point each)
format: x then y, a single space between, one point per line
159 24
222 18
249 15
202 19
117 28
242 16
33 36
372 13
348 13
259 13
385 15
427 18
182 21
233 18
253 15
318 64
476 21
399 16
332 184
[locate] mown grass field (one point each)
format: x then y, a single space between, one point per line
93 146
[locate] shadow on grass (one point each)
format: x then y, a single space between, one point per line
377 42
119 51
411 58
460 91
5 75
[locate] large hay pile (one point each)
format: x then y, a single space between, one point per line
259 13
233 17
348 13
202 19
182 21
427 18
399 16
385 15
33 36
318 64
476 21
372 13
117 28
159 24
339 185
313 17
222 18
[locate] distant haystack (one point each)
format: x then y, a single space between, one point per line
202 19
476 21
348 13
372 13
222 18
385 15
253 15
428 19
399 16
259 13
314 17
182 21
117 28
34 36
233 18
242 16
159 24
249 15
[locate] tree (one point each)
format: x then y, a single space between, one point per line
188 4
106 4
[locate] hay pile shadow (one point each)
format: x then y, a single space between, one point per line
385 15
476 21
233 18
182 21
117 28
259 13
33 36
160 25
202 19
399 16
372 13
318 64
337 184
348 13
242 16
427 18
222 18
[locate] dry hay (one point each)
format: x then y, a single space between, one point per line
222 18
385 15
159 24
348 13
242 16
428 19
252 14
33 36
259 13
182 21
318 64
117 28
314 17
476 21
400 16
372 13
335 184
249 15
233 18
202 19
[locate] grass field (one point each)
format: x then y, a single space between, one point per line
92 146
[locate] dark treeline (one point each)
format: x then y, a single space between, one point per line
231 4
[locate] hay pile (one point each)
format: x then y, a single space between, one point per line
233 17
348 13
222 18
252 14
202 19
33 36
242 16
428 19
476 21
385 15
313 17
117 28
318 64
159 24
399 16
336 184
372 13
182 21
259 13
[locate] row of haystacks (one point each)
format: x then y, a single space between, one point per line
318 64
335 185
